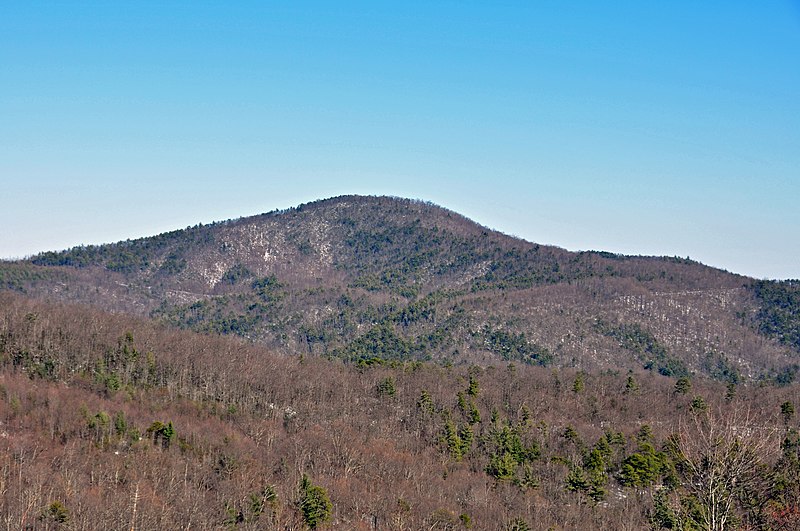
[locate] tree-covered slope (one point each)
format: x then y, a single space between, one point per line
374 279
113 422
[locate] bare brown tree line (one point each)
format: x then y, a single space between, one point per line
113 422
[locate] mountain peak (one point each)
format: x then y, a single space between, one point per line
365 277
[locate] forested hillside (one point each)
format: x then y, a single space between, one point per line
107 421
381 363
376 279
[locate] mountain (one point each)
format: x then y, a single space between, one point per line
381 280
296 395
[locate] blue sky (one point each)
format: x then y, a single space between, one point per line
668 128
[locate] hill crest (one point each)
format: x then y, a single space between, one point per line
372 279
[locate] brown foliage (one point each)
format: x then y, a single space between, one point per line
79 390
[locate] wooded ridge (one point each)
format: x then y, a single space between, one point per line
383 363
376 279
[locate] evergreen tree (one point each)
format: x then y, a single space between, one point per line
787 412
730 392
473 388
314 503
631 387
473 415
425 403
683 386
698 404
386 387
578 385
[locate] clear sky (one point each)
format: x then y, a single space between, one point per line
668 128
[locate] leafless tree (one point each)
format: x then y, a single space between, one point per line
718 454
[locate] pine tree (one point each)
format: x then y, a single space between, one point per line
578 385
787 412
314 503
683 385
631 387
473 388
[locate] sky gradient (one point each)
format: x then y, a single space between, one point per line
635 127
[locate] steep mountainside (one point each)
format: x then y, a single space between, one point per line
379 279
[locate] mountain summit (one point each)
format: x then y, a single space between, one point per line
381 279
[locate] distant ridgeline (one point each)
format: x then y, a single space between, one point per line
381 280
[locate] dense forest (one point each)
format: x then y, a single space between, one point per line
380 363
109 421
371 279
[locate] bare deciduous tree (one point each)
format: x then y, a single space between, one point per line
718 455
